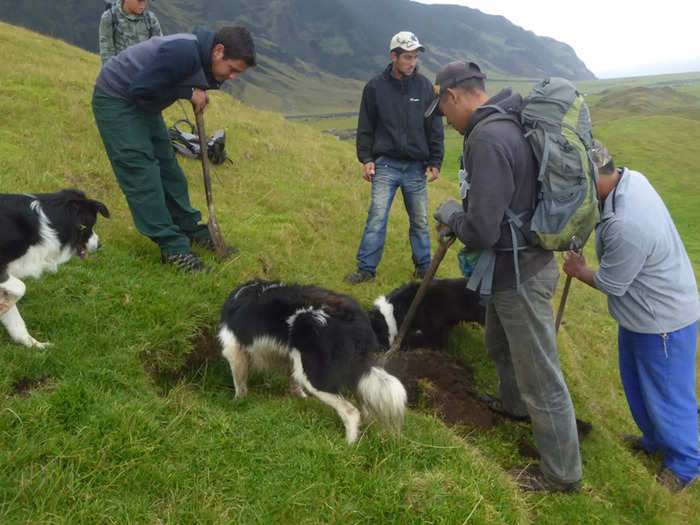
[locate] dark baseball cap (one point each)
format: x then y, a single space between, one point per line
449 76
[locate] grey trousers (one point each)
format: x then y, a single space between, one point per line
520 339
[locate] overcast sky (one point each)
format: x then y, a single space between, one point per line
610 36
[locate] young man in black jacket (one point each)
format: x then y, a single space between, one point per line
500 172
131 90
398 148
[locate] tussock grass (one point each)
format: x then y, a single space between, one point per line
117 431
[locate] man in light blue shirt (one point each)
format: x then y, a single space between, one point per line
652 294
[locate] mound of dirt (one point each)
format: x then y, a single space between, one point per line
435 381
440 383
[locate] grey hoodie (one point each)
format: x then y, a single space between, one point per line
503 172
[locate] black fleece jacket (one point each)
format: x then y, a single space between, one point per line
503 172
391 120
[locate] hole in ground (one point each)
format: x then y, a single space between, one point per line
205 349
438 382
24 386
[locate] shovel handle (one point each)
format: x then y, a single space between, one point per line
214 230
443 244
199 116
562 304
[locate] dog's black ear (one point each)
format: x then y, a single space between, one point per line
100 207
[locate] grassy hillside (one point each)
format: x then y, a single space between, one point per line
116 423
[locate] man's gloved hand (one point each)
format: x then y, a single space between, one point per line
446 210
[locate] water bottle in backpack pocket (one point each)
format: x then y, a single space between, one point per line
467 260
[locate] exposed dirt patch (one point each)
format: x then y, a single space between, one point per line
24 386
435 381
438 382
206 349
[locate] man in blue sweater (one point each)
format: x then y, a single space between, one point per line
131 90
652 294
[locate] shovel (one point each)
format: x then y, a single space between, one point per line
562 304
444 242
219 244
565 292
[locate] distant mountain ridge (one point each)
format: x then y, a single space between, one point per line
300 40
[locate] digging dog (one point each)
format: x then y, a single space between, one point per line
322 338
446 303
39 233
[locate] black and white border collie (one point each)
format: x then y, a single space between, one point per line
446 303
39 233
322 338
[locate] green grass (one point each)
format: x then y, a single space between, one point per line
116 431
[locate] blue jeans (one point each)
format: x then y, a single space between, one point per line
520 339
390 175
658 375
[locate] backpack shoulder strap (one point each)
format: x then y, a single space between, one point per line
498 114
149 23
115 22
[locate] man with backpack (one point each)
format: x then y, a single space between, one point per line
131 90
652 293
125 23
500 173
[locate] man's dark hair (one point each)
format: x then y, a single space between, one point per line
238 44
607 169
398 51
471 85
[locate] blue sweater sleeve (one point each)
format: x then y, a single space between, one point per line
160 82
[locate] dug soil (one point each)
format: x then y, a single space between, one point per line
437 382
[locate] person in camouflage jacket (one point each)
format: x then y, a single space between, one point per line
134 24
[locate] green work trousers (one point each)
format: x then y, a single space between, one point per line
148 173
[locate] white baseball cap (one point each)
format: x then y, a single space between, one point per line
406 41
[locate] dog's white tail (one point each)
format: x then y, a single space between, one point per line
383 396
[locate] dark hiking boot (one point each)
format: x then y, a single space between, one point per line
495 405
187 262
530 478
208 244
668 479
360 276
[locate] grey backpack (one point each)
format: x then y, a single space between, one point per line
558 127
556 122
187 143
